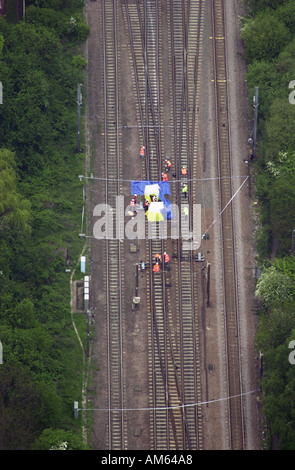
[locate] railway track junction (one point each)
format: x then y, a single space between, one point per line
171 367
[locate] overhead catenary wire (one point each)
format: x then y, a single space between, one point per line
170 181
201 179
239 188
174 406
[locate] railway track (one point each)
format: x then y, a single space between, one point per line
186 31
114 281
174 344
231 310
143 27
162 385
174 357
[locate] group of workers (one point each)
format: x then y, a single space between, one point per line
158 258
133 200
167 168
168 165
147 202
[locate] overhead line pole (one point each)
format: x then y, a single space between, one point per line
79 104
255 107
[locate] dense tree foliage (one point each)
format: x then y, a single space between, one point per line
257 5
40 202
14 210
264 36
272 74
269 36
58 439
273 286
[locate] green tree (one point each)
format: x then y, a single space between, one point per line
38 164
53 19
25 407
286 265
282 215
22 314
263 74
54 4
273 287
58 439
285 66
286 14
14 210
257 5
278 386
275 325
79 28
283 165
264 36
1 43
278 135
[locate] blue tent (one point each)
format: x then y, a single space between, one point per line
162 188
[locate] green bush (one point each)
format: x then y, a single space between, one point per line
269 37
52 19
40 203
264 36
79 29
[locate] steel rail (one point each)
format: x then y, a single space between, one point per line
195 17
231 311
142 24
157 282
163 389
187 38
178 45
114 271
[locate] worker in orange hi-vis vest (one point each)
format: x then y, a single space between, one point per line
166 257
164 177
142 152
156 268
167 164
158 258
184 171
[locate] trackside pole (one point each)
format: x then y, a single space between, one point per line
255 107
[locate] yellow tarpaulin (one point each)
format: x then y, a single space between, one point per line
154 213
